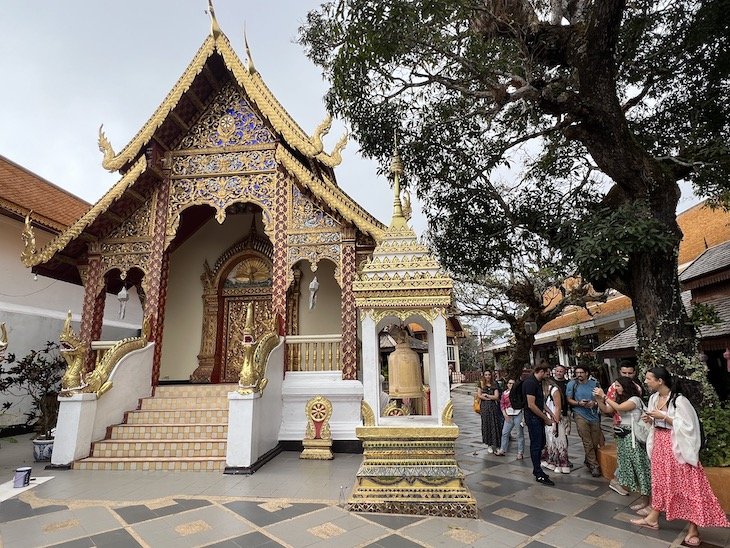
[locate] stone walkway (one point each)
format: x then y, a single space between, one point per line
296 503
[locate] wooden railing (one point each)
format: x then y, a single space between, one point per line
313 352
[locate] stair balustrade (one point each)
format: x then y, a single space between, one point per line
313 352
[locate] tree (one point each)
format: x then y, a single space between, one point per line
606 105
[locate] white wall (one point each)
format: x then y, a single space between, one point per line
35 310
326 317
184 309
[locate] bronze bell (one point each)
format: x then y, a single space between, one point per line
404 368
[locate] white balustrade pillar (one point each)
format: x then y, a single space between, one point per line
74 428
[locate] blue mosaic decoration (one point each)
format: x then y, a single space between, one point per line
230 121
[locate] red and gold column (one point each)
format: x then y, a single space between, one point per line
349 311
279 266
92 315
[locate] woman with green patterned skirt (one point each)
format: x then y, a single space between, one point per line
634 470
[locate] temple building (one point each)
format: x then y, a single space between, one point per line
225 210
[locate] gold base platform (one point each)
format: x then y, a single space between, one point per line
411 470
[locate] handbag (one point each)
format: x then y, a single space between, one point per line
477 404
639 429
621 432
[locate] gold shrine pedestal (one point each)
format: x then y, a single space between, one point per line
411 470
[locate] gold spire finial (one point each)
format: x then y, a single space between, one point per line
251 68
396 168
215 29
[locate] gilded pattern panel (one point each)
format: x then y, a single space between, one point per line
138 225
219 193
306 215
229 121
223 162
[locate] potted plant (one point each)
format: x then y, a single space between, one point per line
716 456
39 376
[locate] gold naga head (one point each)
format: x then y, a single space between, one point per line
70 341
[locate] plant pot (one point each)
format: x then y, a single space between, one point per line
42 450
719 478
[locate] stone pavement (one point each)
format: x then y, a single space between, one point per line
290 502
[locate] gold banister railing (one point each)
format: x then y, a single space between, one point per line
313 352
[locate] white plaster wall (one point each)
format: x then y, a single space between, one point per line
184 309
35 310
326 317
131 380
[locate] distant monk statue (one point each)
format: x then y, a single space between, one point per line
313 288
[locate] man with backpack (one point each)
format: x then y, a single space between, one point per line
536 419
586 414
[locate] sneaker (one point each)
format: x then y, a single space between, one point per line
616 486
545 480
520 456
563 469
489 449
596 472
499 453
547 465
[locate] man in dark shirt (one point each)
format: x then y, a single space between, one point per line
536 419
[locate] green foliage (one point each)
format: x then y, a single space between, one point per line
704 315
39 375
715 421
469 353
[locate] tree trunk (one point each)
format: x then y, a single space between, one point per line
520 353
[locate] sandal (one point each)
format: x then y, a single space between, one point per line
499 453
644 511
643 523
638 506
519 456
692 540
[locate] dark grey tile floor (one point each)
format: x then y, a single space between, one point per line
290 502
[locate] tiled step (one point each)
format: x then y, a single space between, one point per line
211 464
169 431
201 402
180 428
195 390
196 448
178 416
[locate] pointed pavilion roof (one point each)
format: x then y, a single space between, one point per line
303 156
402 272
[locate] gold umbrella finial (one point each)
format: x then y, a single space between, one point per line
396 168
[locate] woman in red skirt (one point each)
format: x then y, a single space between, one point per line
679 486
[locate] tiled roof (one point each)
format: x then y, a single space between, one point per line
627 338
580 315
22 191
711 260
702 227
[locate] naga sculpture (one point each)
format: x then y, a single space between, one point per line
29 247
255 354
97 381
73 351
3 340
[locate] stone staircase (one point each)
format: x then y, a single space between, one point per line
180 428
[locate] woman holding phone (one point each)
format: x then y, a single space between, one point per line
679 486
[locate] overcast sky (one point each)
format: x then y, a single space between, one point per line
67 67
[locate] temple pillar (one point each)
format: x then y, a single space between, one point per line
279 262
349 311
92 314
157 270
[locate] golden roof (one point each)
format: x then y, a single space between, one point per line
250 80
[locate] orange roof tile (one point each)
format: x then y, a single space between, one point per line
702 228
22 190
580 315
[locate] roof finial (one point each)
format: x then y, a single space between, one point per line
396 168
215 29
251 67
